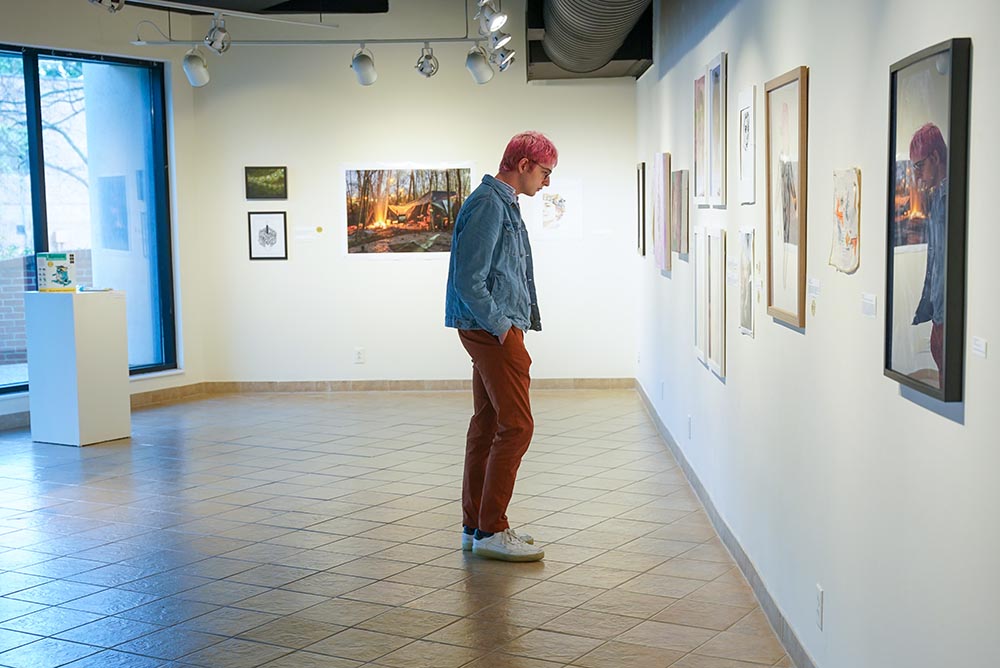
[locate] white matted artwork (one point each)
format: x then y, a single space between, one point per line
661 211
846 245
748 145
700 152
268 232
556 212
746 280
715 86
679 197
699 248
716 290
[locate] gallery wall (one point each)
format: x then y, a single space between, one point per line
825 471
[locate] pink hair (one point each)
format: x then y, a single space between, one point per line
925 141
531 145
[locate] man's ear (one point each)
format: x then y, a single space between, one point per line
523 165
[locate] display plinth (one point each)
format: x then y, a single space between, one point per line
78 376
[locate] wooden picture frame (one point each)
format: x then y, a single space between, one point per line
715 88
661 212
699 249
786 114
926 209
268 235
265 182
640 219
716 309
699 172
679 199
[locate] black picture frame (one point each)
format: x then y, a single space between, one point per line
268 235
927 219
640 221
266 182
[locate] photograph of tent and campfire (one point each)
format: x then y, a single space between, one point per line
403 210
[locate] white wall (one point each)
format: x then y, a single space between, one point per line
824 469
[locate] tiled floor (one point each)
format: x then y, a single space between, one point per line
322 530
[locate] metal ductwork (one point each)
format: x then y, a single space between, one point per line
584 35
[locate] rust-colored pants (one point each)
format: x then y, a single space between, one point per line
500 429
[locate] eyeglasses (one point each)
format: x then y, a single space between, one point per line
919 164
545 170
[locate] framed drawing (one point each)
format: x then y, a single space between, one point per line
268 235
786 122
748 145
679 211
845 246
699 243
716 309
926 202
266 182
746 280
700 154
716 105
640 203
661 211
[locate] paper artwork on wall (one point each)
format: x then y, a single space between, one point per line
556 212
716 308
699 247
746 280
679 197
716 125
748 145
700 152
661 211
845 247
406 210
268 235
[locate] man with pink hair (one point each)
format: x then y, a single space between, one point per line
929 156
491 300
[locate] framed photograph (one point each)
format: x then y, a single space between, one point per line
640 202
266 182
716 309
748 145
700 153
268 235
679 197
699 246
410 210
661 211
716 106
845 248
746 280
926 202
786 105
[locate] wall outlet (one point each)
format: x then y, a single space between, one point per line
819 606
690 427
359 355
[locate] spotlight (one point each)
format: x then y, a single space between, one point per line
478 65
363 64
498 40
490 19
113 6
427 64
218 39
195 68
502 58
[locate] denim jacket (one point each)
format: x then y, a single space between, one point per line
491 283
931 306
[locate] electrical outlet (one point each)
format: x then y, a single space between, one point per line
819 606
690 427
359 355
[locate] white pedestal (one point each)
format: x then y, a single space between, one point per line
77 367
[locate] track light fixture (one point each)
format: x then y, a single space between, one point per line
498 40
490 20
195 68
502 58
113 6
363 64
427 64
218 39
478 65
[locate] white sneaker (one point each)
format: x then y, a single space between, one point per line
506 545
468 539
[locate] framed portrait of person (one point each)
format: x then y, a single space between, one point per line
926 209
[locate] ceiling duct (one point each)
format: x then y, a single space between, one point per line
584 35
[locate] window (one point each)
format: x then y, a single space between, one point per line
83 170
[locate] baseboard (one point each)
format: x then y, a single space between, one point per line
786 635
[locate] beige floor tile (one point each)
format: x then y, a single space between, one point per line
701 661
359 645
570 554
343 612
625 655
429 576
417 554
452 602
662 585
667 636
620 602
423 654
709 553
388 593
556 593
627 561
590 623
743 647
503 660
594 576
549 646
754 623
371 567
520 613
705 615
478 633
726 594
679 567
407 622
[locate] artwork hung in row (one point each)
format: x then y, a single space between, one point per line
748 145
268 235
700 153
716 308
716 142
266 182
405 210
556 212
661 211
746 235
679 195
786 113
640 208
845 249
925 263
699 247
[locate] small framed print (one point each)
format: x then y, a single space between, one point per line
700 172
268 235
266 182
748 145
715 104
